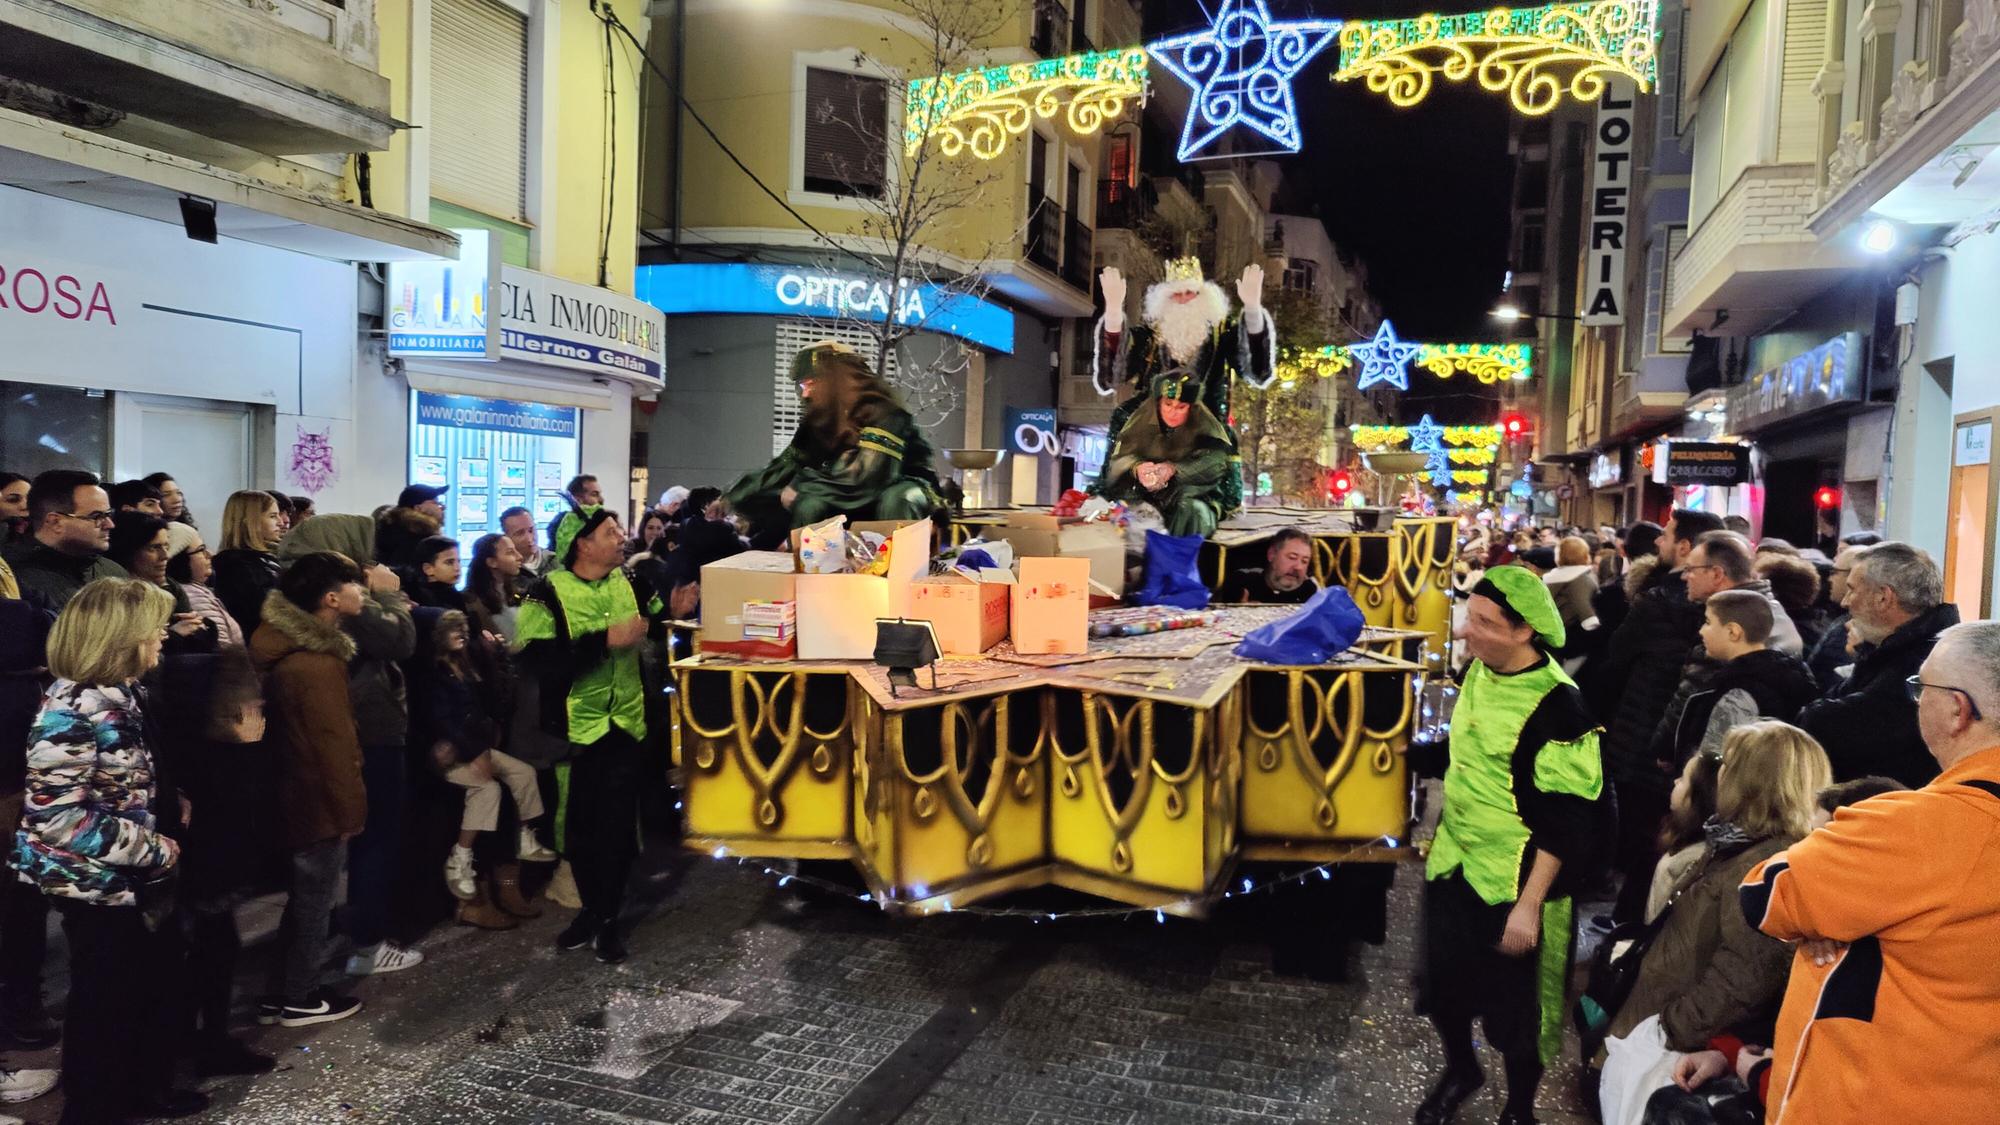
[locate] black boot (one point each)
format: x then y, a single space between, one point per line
1455 1086
1524 1077
581 931
1512 1116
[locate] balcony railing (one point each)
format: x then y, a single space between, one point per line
1076 253
1044 241
1120 206
1051 35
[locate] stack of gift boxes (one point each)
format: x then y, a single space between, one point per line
763 604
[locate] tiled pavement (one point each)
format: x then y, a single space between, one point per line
742 1004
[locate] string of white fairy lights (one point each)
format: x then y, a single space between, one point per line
1242 889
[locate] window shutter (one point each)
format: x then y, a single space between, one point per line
847 120
794 336
479 107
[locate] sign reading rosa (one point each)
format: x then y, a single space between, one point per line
29 290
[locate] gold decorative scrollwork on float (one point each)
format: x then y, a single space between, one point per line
982 109
1535 56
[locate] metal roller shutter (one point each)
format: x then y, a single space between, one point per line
795 336
479 107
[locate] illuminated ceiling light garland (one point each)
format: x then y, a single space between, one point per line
1241 72
982 108
1477 445
1535 55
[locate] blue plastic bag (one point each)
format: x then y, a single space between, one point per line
1317 633
1173 572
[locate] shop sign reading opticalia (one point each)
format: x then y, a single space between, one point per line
439 310
696 288
1032 431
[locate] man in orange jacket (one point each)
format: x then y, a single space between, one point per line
1893 1008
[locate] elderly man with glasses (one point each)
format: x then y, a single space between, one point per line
1889 1013
1868 721
69 521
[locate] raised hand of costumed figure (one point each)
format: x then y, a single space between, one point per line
1250 290
1112 284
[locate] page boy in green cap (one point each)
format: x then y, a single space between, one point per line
578 634
1523 801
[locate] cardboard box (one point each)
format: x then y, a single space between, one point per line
1051 606
1043 536
970 615
753 576
837 612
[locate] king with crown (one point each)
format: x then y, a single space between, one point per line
1191 340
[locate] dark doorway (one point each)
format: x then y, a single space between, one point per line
1788 498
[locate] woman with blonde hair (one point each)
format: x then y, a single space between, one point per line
1708 972
246 569
90 840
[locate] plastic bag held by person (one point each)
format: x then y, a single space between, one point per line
1317 633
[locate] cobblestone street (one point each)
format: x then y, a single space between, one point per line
742 1004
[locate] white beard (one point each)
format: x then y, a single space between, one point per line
1184 327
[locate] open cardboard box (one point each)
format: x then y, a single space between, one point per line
752 576
969 615
1045 536
837 612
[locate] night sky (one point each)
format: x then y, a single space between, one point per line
1419 194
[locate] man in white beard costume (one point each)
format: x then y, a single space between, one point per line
1188 331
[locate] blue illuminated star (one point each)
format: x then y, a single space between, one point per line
1426 436
1384 359
1241 72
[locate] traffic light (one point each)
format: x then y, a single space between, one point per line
1826 497
1340 485
1514 426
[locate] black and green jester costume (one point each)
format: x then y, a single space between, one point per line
1524 781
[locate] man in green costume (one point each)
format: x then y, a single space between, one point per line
1523 797
579 633
1174 455
857 453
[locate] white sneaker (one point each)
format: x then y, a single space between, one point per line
25 1085
532 850
385 957
458 874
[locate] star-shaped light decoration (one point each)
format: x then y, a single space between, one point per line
1241 72
1428 437
1384 359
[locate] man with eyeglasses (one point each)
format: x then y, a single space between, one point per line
1867 721
69 517
1889 1014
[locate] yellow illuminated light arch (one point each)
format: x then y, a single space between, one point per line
1534 55
980 110
1489 363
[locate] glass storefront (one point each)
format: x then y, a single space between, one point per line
493 454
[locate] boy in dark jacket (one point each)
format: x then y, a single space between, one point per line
303 654
1752 681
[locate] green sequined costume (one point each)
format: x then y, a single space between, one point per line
1135 355
883 471
1195 500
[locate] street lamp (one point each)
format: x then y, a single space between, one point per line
1510 313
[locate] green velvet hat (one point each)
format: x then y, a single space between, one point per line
577 523
1527 595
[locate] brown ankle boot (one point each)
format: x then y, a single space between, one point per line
507 892
479 911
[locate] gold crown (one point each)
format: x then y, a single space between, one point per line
1184 269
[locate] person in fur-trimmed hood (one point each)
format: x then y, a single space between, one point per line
303 655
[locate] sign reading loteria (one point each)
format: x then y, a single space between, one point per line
1610 207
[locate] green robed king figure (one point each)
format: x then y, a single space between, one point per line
1525 807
